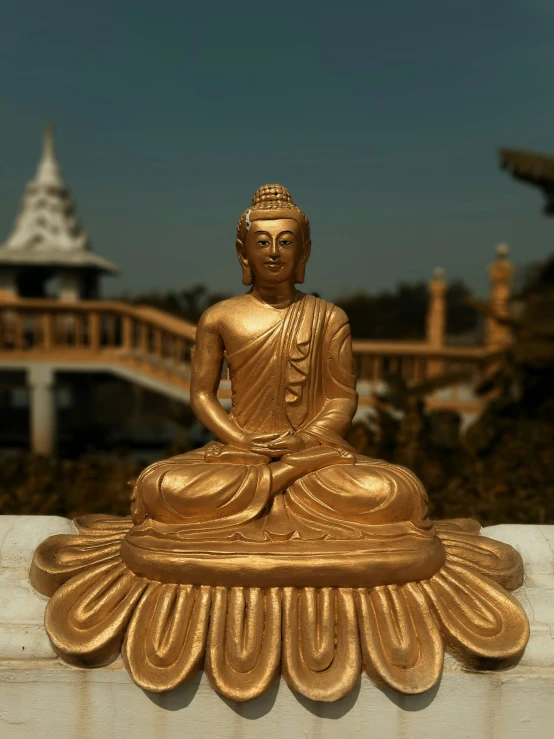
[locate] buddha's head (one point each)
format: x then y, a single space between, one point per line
273 238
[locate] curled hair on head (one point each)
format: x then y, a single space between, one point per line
274 198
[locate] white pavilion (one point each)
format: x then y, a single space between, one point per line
48 253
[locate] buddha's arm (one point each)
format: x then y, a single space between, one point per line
206 374
333 420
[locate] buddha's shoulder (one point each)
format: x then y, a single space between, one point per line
218 314
336 315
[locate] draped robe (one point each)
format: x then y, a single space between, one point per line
298 375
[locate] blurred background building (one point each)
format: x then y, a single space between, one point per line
77 371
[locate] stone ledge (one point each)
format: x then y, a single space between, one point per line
39 694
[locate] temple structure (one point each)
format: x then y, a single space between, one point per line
48 243
534 168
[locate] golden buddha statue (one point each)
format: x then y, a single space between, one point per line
277 545
281 469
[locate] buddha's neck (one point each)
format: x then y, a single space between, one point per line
279 296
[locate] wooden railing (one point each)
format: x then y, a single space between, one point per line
103 329
94 327
415 362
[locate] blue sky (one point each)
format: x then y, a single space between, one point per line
383 119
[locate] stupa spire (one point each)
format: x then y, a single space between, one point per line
47 220
48 171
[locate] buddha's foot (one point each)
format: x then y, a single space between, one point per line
218 453
294 466
319 638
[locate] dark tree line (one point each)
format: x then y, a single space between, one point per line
188 303
392 314
401 313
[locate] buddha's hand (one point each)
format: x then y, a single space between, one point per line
258 443
291 443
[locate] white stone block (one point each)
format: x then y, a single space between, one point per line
22 635
536 546
20 536
41 696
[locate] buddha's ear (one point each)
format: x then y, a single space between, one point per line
300 271
246 271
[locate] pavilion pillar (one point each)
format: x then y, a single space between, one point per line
42 409
501 272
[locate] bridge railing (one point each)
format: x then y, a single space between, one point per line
414 362
95 329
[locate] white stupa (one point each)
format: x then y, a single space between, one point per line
48 241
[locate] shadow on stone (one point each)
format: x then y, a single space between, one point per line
176 699
254 709
334 710
412 703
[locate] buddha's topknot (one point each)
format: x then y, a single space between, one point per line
272 197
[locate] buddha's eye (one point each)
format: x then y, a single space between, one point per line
284 243
263 243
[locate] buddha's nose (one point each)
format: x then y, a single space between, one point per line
274 250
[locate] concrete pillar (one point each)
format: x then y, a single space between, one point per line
436 312
500 274
42 408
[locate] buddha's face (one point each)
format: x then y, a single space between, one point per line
273 249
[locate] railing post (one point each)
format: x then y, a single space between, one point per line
47 331
436 311
499 336
436 319
158 343
94 331
19 330
127 333
143 338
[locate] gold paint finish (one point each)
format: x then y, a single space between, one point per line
166 639
277 547
321 638
244 650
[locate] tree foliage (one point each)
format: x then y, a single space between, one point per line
188 303
401 314
502 468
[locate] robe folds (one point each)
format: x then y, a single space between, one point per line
296 376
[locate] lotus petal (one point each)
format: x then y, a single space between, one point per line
402 646
483 625
463 525
499 561
244 642
59 558
303 662
99 524
86 618
166 638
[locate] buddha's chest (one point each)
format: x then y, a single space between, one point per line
239 331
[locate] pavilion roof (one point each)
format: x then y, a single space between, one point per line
48 231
